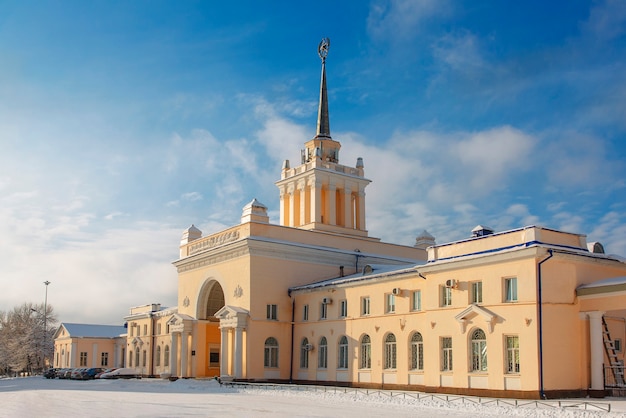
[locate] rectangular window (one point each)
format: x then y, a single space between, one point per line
416 300
145 329
272 312
144 358
159 329
617 343
476 292
104 359
323 311
343 308
305 313
510 289
512 354
214 357
445 295
390 303
83 358
365 305
132 329
446 354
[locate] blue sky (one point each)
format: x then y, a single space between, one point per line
122 123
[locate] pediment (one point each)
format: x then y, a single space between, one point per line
229 311
178 318
472 311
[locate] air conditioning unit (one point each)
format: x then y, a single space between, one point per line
327 301
451 283
308 347
396 291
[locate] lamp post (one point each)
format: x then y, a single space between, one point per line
45 323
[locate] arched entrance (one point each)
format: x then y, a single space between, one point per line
210 301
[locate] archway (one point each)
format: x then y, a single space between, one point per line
210 300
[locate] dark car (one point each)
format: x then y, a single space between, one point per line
88 374
50 373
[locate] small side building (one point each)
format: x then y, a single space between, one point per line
87 345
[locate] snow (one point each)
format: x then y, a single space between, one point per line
36 396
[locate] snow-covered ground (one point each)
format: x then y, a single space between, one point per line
36 396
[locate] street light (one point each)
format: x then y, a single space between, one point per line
45 323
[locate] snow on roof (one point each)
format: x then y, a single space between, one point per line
91 330
370 271
606 282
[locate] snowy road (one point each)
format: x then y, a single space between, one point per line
35 396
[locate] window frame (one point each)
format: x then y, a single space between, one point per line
270 353
323 310
366 306
305 312
304 354
478 351
166 356
510 290
272 312
445 296
343 353
104 358
512 355
343 308
446 354
417 352
476 291
365 352
83 359
390 303
322 354
157 357
416 296
390 352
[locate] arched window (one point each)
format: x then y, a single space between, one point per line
479 351
342 362
166 356
157 360
270 359
322 354
417 352
390 352
137 357
304 353
366 353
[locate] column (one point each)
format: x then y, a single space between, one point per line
331 205
292 204
302 209
224 353
72 354
173 354
283 216
316 200
360 208
596 349
347 207
184 340
238 352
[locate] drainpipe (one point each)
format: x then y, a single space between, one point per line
293 313
540 319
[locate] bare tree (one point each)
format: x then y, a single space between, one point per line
26 343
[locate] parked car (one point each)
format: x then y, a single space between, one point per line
123 373
90 373
50 373
64 373
77 374
109 370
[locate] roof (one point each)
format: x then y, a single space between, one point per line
369 272
613 285
94 331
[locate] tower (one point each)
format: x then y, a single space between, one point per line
321 194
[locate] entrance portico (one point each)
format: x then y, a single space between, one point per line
180 328
233 322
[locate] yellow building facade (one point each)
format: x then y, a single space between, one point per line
531 312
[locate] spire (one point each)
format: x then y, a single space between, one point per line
323 123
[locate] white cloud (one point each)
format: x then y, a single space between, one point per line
460 52
401 19
606 20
